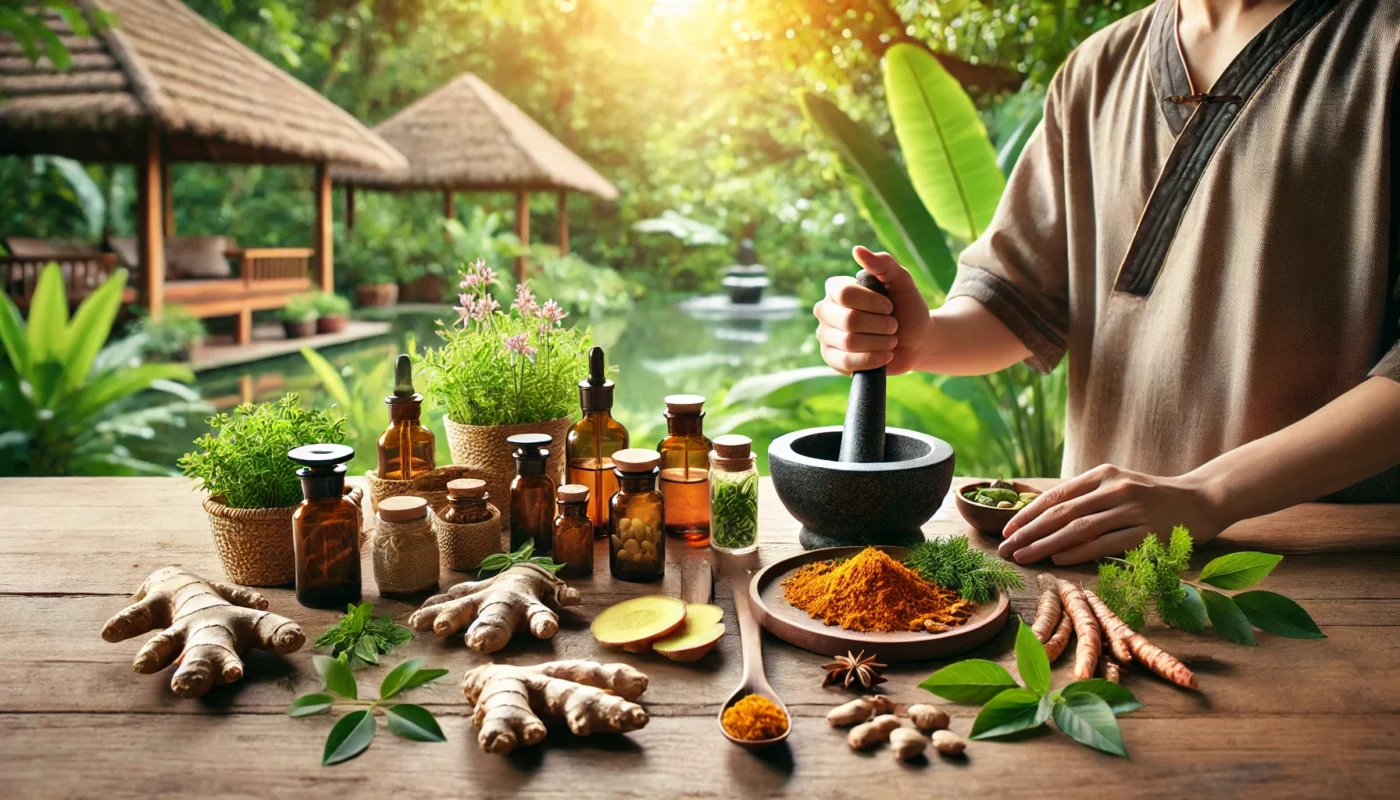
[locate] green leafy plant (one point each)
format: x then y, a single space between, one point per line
355 731
505 367
952 563
69 404
244 458
329 304
1149 576
300 308
172 337
500 562
359 638
1086 711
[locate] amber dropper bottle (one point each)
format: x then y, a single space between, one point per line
325 529
593 440
685 470
406 449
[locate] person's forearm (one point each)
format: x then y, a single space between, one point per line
1349 439
967 339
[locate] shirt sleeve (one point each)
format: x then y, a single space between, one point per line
1389 365
1019 267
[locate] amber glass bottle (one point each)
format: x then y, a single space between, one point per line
466 502
685 470
573 531
406 449
637 544
593 440
325 529
532 494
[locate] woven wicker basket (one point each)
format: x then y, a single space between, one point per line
484 447
255 544
431 486
464 546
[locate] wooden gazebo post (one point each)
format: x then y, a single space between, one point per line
150 234
563 223
323 239
522 230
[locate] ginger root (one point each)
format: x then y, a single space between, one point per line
591 697
907 744
525 594
868 734
859 710
208 626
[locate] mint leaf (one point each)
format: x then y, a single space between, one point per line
1277 614
1031 661
1011 711
350 736
309 704
423 676
1239 570
399 677
337 676
1227 618
1120 700
973 681
366 651
414 722
1087 719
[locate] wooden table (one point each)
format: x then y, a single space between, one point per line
1314 718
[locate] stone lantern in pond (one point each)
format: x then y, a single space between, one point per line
745 280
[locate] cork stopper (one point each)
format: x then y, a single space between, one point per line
403 508
636 459
733 446
572 493
466 487
684 404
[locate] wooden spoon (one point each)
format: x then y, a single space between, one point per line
753 681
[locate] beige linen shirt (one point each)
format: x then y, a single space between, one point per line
1217 268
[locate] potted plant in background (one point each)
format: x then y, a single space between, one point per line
332 312
299 316
503 372
173 338
253 488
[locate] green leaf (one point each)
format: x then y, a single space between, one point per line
1087 719
399 677
1227 618
1011 711
423 676
309 704
337 676
945 145
973 681
365 650
1031 660
1239 570
329 376
1191 612
12 335
87 333
350 736
414 722
1120 699
1278 615
1010 151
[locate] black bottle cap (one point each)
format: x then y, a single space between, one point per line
596 392
403 383
530 454
321 459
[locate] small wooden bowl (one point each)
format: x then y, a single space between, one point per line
986 519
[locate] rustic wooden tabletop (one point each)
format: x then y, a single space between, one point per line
1286 718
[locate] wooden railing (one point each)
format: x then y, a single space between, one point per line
81 275
265 266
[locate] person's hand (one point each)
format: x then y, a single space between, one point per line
1104 512
860 329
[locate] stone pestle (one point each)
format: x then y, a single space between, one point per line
863 439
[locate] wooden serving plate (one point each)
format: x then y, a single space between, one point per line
795 627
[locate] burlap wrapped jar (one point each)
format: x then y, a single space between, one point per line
484 447
463 547
431 486
404 547
255 544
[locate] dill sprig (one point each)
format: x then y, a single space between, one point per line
953 564
1149 575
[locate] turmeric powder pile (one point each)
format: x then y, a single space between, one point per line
754 719
873 592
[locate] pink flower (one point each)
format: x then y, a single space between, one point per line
488 275
553 313
465 300
525 301
520 343
470 280
484 307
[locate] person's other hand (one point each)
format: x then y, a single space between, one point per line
861 329
1104 512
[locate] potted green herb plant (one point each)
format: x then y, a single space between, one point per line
503 372
376 279
299 316
332 312
252 486
172 338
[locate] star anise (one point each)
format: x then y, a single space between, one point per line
854 669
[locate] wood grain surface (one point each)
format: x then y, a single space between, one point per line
1285 719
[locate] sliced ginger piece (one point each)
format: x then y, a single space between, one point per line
697 637
639 620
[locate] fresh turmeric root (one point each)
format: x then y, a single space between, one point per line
1153 657
208 626
1059 640
1111 668
1048 611
588 696
1086 630
525 594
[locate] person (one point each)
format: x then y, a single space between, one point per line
1203 224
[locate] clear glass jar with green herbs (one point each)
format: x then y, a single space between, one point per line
733 495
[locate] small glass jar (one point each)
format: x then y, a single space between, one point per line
733 495
532 494
325 529
637 542
466 502
573 531
685 470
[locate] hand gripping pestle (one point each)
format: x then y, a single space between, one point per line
863 439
